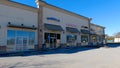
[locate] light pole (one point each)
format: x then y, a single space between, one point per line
40 24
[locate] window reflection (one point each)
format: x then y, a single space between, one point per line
84 38
31 38
13 34
71 39
11 37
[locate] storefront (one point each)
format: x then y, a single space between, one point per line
72 36
20 37
20 40
100 39
97 34
52 40
84 37
52 36
94 39
61 28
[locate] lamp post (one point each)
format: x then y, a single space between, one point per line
40 24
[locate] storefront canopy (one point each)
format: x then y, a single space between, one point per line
93 33
73 30
53 27
22 26
84 31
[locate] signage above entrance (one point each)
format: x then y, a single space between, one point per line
71 25
53 19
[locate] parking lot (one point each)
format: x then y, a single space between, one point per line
67 58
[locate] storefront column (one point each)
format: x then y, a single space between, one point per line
63 40
78 40
89 38
40 24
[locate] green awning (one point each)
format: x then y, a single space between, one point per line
53 27
73 30
84 31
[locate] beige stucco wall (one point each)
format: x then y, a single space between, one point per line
64 20
15 16
98 29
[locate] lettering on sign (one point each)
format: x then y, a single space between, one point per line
71 25
53 19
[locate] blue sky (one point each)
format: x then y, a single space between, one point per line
103 12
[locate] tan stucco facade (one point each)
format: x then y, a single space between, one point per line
97 33
19 14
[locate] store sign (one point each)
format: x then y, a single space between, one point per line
53 19
71 25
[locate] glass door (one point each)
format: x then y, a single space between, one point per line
25 43
21 43
52 40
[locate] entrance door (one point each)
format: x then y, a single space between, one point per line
52 42
21 43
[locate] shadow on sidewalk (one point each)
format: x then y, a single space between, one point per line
47 52
113 45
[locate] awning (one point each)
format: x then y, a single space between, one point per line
22 26
53 27
73 30
84 31
93 33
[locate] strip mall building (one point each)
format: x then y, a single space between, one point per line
61 28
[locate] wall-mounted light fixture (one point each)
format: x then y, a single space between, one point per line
22 24
33 26
9 23
40 30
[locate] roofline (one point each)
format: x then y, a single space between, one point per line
18 5
64 10
23 4
31 8
97 25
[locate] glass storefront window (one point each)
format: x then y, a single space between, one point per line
31 38
84 38
11 37
100 38
71 39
